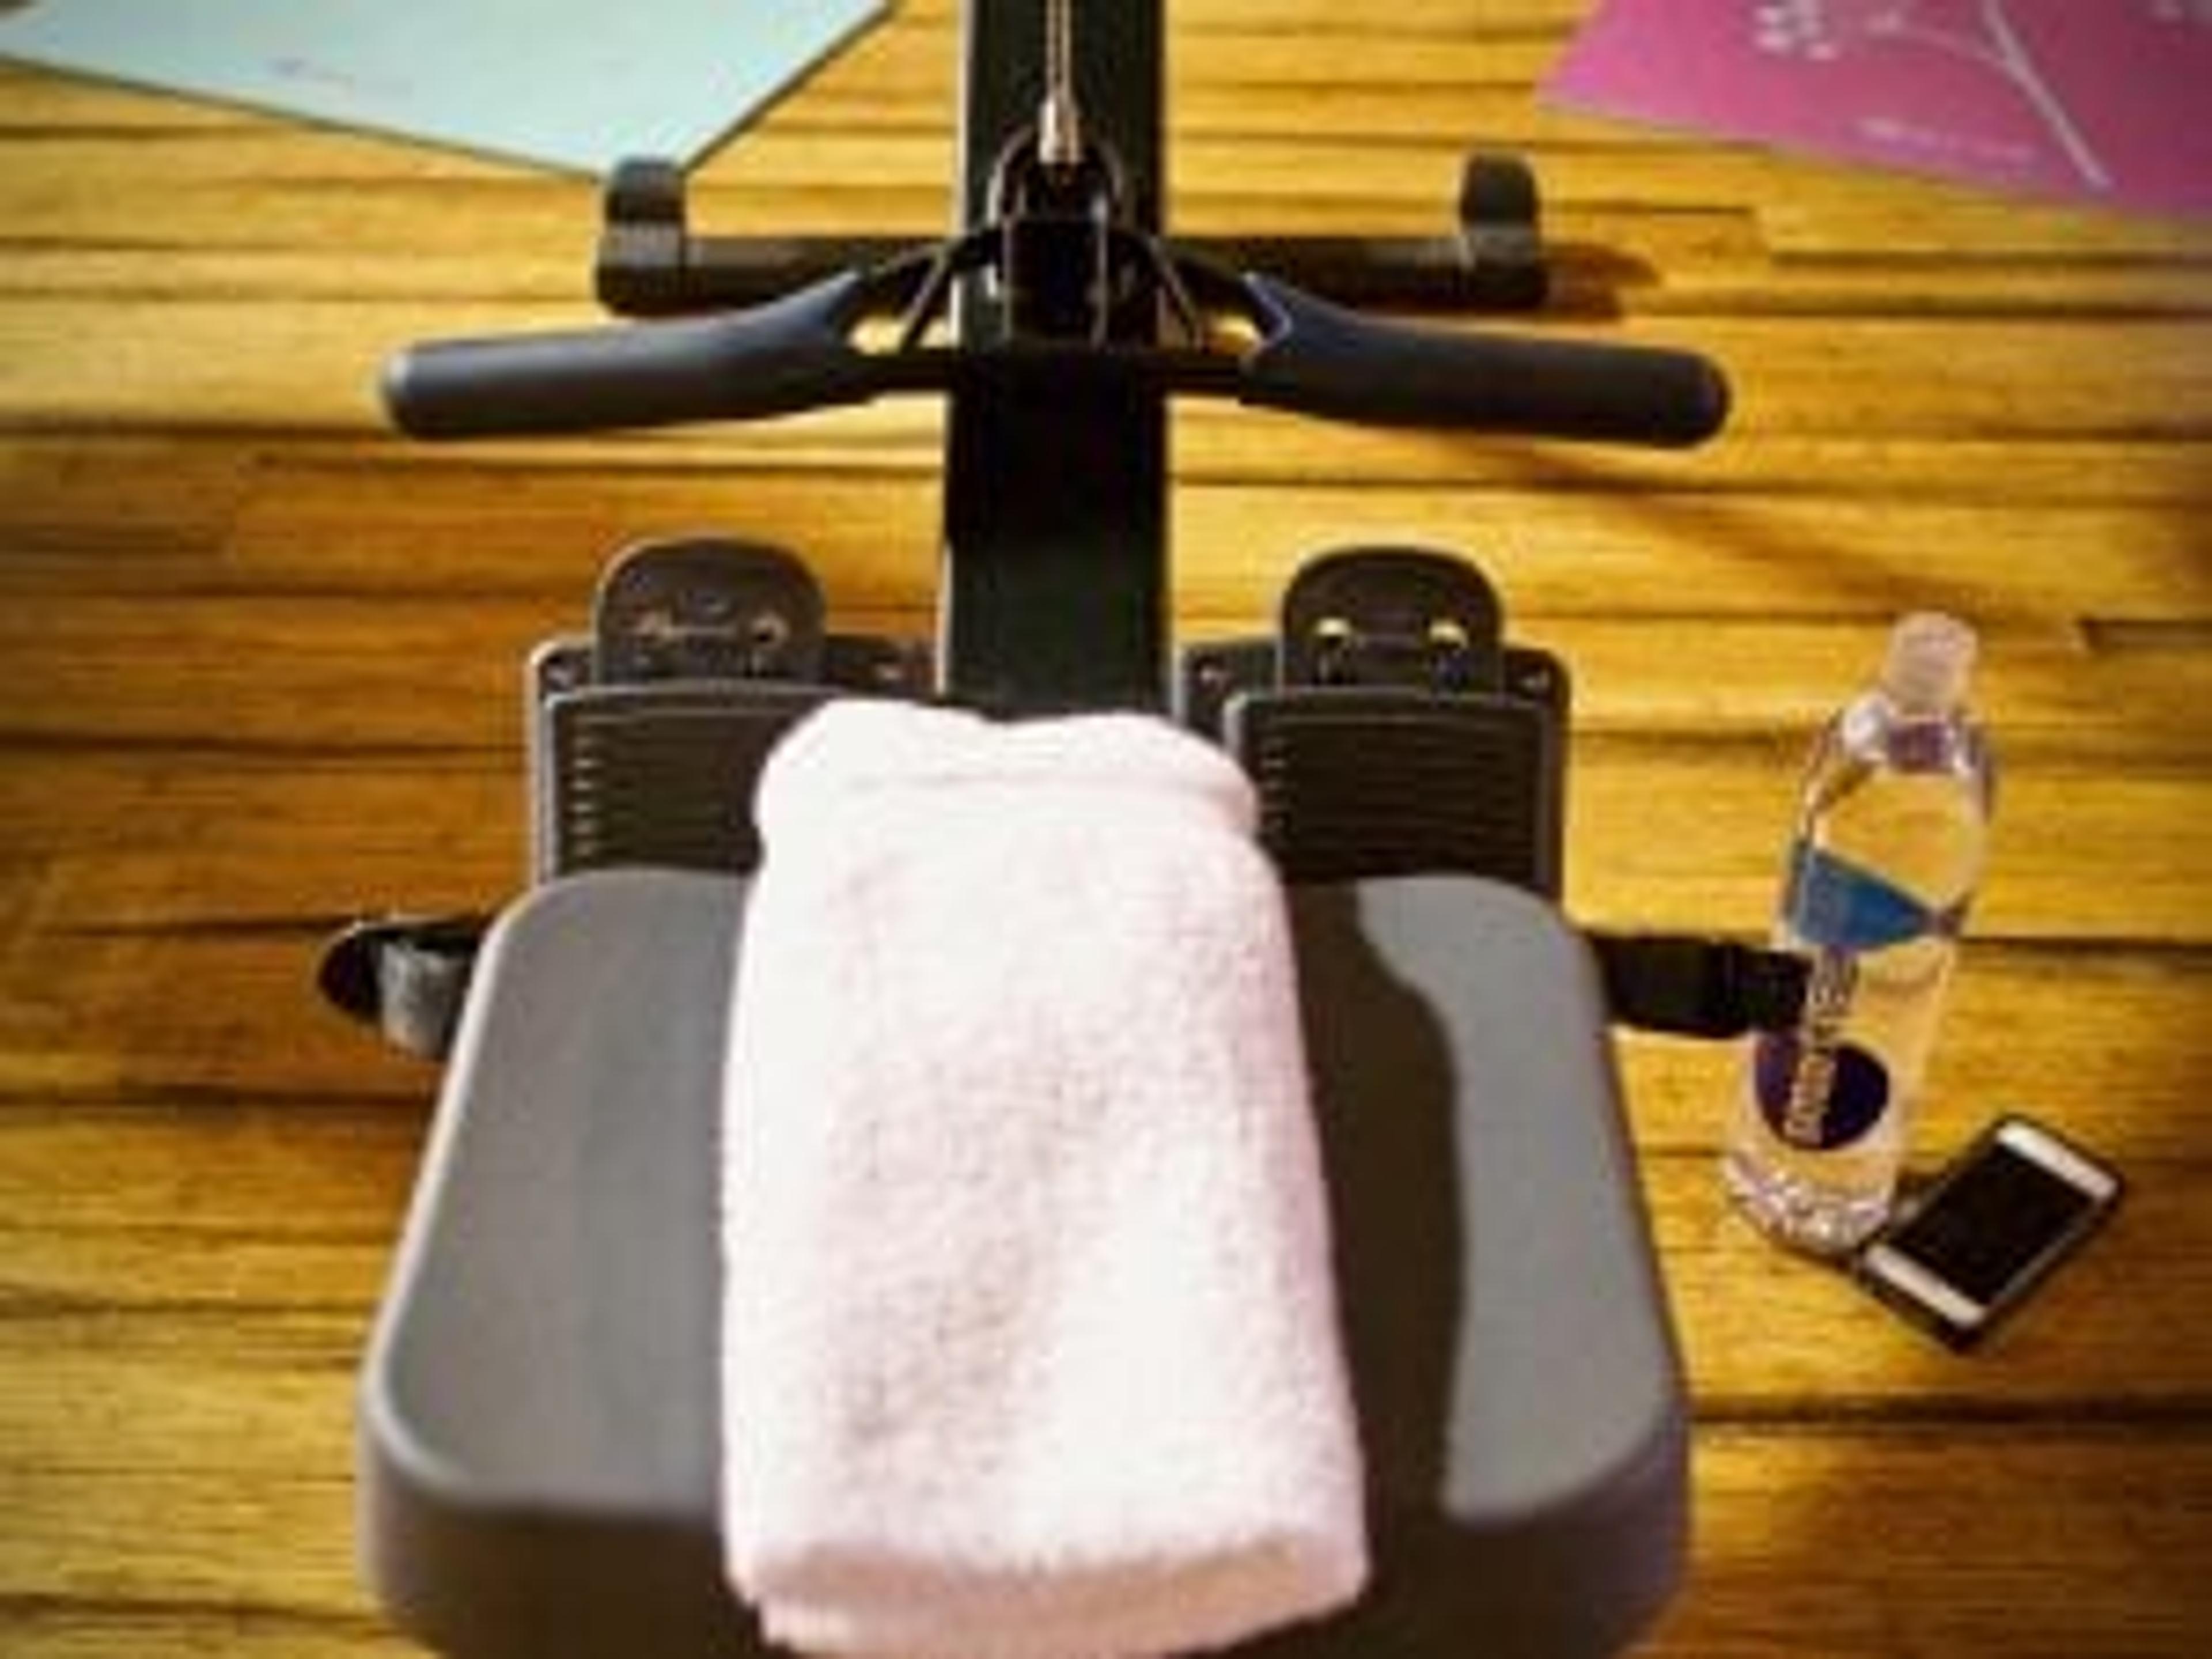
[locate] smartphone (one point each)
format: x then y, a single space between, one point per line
1991 1227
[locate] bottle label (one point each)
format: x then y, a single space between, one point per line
1816 1090
1836 905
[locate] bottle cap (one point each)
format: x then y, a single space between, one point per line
1931 656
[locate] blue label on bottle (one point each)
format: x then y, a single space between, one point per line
1838 905
1815 1090
1818 1097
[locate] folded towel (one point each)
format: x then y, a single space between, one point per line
1031 1344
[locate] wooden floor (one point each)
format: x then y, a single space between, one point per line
259 670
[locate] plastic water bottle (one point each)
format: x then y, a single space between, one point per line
1889 847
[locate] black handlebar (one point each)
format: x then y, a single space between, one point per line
1320 359
788 356
797 353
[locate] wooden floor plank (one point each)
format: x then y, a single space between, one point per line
2116 1043
147 1270
43 1627
1886 1546
1693 835
240 363
279 1546
1880 1554
158 963
388 672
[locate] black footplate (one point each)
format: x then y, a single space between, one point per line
1389 728
647 740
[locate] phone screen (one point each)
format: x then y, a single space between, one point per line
1991 1221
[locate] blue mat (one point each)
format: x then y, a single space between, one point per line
561 83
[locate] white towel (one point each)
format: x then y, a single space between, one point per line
1031 1344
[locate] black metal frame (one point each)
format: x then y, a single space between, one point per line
1054 586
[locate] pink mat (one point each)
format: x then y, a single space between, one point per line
2101 100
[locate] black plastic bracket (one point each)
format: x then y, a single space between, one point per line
1389 728
647 740
651 263
706 607
1399 617
405 976
1699 987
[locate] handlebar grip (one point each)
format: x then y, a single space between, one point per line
777 359
1321 359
